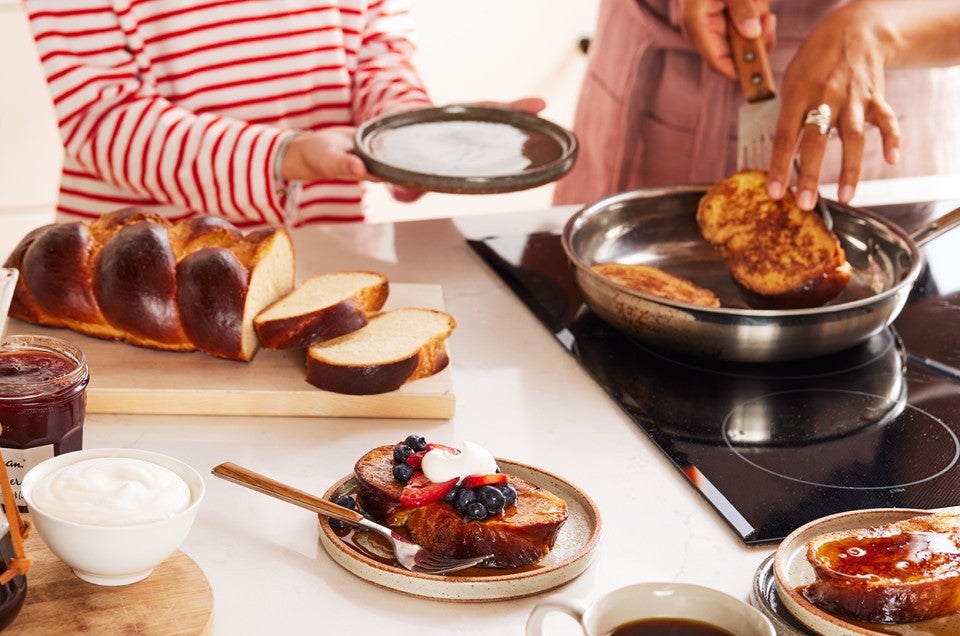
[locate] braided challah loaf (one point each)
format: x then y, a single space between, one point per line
194 284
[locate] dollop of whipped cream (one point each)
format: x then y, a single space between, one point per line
112 491
441 465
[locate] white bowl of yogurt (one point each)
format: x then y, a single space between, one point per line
112 514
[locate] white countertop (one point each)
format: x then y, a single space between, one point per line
519 394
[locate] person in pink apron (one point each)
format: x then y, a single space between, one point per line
658 105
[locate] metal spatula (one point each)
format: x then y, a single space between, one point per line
758 117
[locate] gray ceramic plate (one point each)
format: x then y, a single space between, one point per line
466 149
573 552
791 571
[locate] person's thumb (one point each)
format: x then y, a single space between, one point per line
352 167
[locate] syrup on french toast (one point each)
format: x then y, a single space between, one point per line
657 282
472 515
783 256
894 573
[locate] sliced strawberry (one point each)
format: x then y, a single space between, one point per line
449 449
472 481
416 459
420 491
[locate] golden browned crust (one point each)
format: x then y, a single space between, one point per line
429 357
368 379
304 326
213 316
894 573
785 256
56 294
656 282
522 535
135 283
301 330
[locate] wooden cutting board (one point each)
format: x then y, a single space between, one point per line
129 379
175 599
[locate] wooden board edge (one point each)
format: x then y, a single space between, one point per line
270 403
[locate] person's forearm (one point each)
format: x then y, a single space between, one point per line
914 33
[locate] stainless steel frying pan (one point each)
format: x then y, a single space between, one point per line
659 228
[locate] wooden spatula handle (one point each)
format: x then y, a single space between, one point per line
261 483
753 65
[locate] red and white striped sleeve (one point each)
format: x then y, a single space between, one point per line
385 78
115 124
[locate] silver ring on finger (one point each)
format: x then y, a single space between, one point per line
819 117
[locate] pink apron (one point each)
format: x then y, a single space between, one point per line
652 114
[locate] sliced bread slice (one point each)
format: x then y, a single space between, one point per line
783 256
321 308
394 347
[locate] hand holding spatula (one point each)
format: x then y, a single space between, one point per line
757 121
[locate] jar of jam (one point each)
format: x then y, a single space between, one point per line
43 400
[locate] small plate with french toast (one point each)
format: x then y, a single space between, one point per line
545 538
874 571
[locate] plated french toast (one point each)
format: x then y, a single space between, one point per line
471 515
893 573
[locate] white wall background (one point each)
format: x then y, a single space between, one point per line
470 50
29 144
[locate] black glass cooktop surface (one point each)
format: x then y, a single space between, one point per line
772 446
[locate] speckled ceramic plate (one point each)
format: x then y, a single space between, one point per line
765 598
573 552
791 571
466 149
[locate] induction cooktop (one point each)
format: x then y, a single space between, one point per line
773 446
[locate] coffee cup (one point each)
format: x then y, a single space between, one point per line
663 605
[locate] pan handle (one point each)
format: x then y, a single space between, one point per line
936 227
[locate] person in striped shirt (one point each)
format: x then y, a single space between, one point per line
240 108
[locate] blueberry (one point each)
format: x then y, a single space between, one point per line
509 494
336 524
369 517
465 497
400 453
416 442
491 498
451 495
346 501
402 472
475 510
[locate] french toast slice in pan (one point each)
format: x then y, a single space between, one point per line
657 282
784 257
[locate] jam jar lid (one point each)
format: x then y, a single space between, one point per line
33 366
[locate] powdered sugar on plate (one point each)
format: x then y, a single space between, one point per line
455 148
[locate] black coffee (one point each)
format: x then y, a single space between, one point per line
668 627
